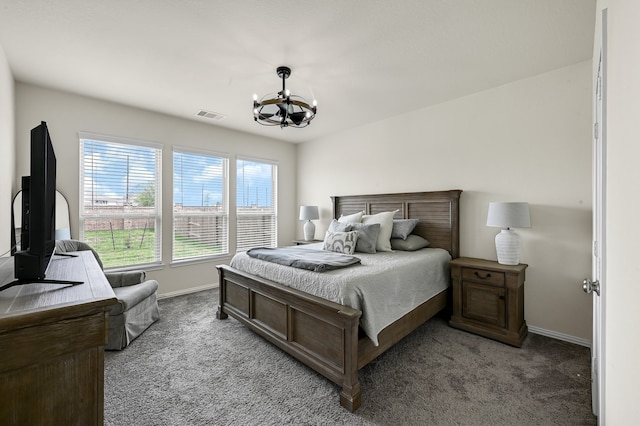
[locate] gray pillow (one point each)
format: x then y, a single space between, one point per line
412 243
336 226
340 242
403 227
367 236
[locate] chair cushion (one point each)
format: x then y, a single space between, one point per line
127 278
130 296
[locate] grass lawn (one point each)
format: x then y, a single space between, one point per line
117 248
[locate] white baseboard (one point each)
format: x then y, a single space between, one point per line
560 336
187 291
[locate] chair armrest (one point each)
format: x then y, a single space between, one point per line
125 279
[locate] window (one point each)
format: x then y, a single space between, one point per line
200 212
256 203
120 214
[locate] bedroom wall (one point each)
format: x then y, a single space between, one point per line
529 140
67 114
7 136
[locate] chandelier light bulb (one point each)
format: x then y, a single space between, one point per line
255 96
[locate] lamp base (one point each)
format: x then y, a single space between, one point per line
309 231
508 247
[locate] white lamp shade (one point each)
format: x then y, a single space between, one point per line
309 213
509 215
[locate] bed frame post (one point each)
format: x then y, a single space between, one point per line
220 314
350 397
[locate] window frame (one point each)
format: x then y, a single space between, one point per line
225 201
274 199
156 263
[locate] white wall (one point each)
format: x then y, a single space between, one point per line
7 137
525 141
622 339
67 114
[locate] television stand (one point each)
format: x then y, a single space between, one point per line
52 345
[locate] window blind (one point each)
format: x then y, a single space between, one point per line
200 207
256 203
120 215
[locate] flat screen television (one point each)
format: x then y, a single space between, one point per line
37 237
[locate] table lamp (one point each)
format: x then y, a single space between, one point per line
309 213
506 216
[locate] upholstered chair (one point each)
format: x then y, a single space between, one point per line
137 306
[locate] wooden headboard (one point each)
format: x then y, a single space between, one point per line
438 212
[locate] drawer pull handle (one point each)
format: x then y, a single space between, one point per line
481 277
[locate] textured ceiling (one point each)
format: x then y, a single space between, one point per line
363 60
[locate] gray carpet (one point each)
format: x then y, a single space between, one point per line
192 369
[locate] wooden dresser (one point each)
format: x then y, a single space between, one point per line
52 339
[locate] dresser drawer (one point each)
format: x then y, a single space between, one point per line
483 276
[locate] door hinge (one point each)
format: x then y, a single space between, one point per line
595 130
595 249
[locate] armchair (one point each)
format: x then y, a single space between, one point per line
137 306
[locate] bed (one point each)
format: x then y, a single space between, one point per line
326 335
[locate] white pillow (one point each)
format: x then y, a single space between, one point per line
352 218
385 219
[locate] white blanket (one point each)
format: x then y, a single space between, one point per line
385 286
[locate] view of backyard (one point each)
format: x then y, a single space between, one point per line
117 248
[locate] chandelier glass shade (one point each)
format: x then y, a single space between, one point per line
283 109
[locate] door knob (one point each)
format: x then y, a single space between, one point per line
590 286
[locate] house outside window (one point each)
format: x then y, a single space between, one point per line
120 200
200 205
256 203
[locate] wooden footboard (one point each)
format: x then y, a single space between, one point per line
319 333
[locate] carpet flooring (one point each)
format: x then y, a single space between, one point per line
192 369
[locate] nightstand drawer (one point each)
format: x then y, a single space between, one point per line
483 276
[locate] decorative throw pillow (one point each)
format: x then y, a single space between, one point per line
367 236
385 219
336 226
352 218
412 243
340 242
403 227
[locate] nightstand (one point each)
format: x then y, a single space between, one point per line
303 242
488 299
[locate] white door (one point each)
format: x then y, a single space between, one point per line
596 284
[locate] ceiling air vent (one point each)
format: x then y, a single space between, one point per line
208 114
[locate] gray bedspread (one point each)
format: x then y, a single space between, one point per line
385 286
313 260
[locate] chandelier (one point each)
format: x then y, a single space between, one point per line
283 109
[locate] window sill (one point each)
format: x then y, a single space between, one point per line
145 267
207 259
